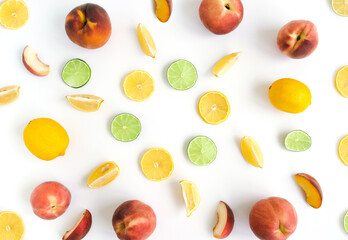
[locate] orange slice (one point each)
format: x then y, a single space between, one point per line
146 41
191 196
157 164
222 66
343 150
103 175
251 152
85 102
138 85
341 81
8 94
11 226
213 107
14 14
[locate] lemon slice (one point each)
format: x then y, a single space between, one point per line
340 7
213 107
138 85
343 150
85 102
103 175
146 41
222 66
157 164
8 94
191 196
14 14
341 81
251 152
11 226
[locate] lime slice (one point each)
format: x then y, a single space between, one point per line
182 75
345 222
201 151
297 141
76 73
125 127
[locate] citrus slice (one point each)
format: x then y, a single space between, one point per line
340 7
297 141
157 164
14 14
341 81
103 175
182 75
146 41
76 73
125 127
213 107
343 150
251 151
191 196
222 66
201 151
85 102
138 85
8 94
345 222
11 226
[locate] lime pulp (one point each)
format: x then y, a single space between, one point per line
76 73
125 127
182 75
345 222
297 141
201 151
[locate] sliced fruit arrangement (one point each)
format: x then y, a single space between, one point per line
251 151
213 107
345 222
191 196
11 226
222 66
81 228
201 151
297 141
125 127
225 221
14 14
311 187
343 150
32 62
76 73
103 175
157 164
85 102
146 41
138 85
163 9
341 81
182 75
9 94
340 7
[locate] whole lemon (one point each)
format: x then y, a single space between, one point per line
45 138
289 95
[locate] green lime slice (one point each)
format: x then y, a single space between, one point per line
125 127
182 75
345 222
201 151
76 73
297 141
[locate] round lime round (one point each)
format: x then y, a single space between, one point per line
125 127
201 151
297 141
76 73
182 75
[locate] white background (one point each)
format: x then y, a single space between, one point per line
170 119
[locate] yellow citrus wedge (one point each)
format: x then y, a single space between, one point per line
146 41
213 107
8 94
138 85
14 14
191 196
85 102
222 66
11 226
340 7
103 175
341 81
251 151
343 150
157 164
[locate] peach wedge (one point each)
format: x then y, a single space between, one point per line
32 62
163 9
81 228
311 187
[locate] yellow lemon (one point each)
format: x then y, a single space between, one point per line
45 138
289 95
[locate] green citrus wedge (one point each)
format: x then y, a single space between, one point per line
125 127
201 151
297 141
182 75
76 73
345 222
